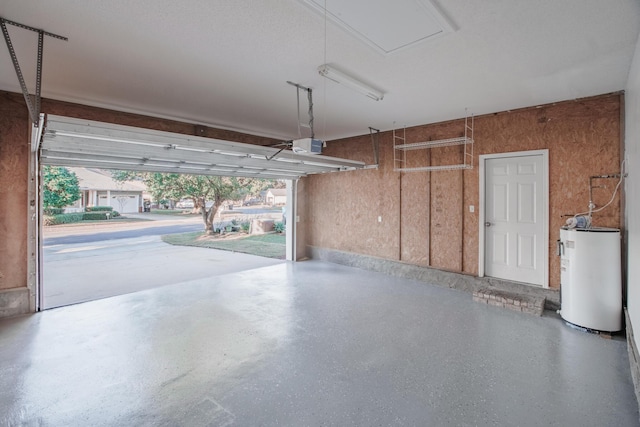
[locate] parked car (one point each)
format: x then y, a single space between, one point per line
251 202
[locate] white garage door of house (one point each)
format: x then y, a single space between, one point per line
76 142
123 203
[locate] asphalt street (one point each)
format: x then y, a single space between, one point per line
123 234
145 224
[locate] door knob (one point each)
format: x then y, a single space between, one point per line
487 224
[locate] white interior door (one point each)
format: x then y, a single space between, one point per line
515 219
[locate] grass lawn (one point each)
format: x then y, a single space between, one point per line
267 245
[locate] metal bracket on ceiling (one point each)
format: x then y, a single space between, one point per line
375 143
310 99
288 144
34 110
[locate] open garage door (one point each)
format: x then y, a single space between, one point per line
84 143
76 142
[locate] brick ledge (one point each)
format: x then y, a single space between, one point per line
516 302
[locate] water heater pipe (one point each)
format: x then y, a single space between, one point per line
591 178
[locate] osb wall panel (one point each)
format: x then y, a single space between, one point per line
445 196
14 174
583 139
446 220
433 224
414 231
344 219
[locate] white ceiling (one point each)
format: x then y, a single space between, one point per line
226 63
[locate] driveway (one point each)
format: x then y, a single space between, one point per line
90 270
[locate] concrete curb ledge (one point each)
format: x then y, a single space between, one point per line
634 356
14 301
459 281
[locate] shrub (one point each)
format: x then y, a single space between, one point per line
98 209
69 218
278 227
63 218
97 216
53 211
94 216
245 226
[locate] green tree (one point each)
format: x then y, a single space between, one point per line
199 188
59 187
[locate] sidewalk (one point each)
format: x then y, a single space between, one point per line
146 216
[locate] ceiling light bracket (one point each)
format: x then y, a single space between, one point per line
34 110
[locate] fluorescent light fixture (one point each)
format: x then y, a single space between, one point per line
348 81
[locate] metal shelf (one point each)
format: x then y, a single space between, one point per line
435 168
434 144
400 148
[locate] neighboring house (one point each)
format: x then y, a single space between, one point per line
98 188
276 196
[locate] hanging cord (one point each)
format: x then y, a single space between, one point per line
324 81
310 98
298 109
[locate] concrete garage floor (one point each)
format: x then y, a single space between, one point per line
82 272
307 344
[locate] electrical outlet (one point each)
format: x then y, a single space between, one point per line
380 219
472 208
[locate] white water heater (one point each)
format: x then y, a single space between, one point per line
591 278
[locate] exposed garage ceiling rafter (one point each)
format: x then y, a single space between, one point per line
76 142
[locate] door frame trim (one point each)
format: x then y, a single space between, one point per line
545 211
